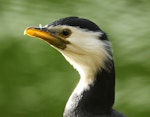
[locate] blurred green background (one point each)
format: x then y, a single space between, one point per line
36 81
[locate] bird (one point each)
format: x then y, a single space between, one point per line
87 48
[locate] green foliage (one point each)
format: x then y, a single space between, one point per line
36 81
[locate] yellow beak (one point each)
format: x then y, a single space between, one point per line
44 34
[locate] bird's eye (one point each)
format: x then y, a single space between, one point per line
66 32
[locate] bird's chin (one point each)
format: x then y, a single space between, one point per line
43 34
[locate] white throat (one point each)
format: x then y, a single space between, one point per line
87 66
87 53
87 63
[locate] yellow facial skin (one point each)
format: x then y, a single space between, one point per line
43 33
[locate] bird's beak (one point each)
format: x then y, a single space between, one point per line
44 34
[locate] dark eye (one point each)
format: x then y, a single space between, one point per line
66 32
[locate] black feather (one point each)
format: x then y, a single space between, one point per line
77 22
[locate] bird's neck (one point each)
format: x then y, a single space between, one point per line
94 93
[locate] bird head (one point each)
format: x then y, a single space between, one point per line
80 41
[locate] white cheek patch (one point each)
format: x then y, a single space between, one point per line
87 53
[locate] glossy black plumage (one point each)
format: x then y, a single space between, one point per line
98 101
77 22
